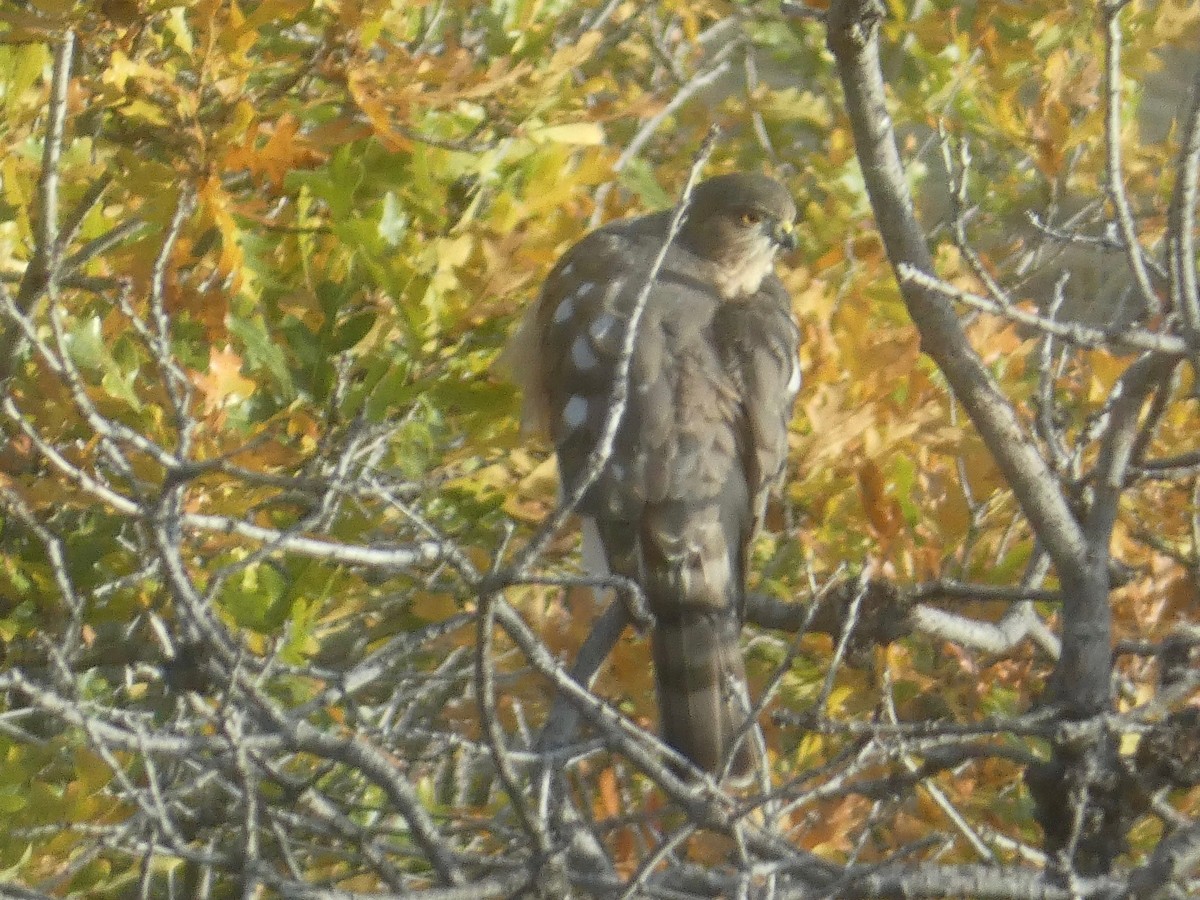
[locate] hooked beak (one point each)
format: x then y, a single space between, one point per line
784 234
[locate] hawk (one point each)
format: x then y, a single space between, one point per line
703 436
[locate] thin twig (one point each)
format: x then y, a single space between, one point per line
1118 339
1113 35
1181 218
52 152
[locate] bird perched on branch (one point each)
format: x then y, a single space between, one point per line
702 435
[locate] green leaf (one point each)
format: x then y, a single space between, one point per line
639 178
353 330
85 343
262 353
120 386
393 222
13 799
15 869
252 596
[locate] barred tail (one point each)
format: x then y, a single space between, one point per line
701 682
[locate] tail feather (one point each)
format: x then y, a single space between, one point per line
689 562
700 680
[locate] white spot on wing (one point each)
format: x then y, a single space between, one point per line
584 289
793 384
565 310
715 567
575 413
601 326
566 270
582 356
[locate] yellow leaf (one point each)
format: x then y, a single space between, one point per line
272 12
146 112
217 204
838 697
1175 20
542 481
453 252
121 69
177 25
579 134
53 8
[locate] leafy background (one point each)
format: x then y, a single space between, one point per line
370 194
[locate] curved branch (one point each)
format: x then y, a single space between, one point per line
1181 218
1112 137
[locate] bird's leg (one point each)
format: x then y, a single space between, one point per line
631 596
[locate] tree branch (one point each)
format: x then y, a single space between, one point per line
853 38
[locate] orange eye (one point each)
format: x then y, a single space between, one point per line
750 217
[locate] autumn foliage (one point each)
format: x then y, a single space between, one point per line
271 618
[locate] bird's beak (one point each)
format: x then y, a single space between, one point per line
784 235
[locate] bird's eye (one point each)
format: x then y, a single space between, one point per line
750 217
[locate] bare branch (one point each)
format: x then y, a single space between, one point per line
47 247
1112 135
696 83
1118 339
1181 218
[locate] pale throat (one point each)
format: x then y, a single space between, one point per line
744 275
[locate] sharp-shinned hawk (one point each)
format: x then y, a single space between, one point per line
703 437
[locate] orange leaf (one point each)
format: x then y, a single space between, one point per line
609 804
286 150
223 384
883 511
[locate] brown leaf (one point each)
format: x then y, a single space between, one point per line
883 511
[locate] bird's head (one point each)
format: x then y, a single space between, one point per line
738 222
